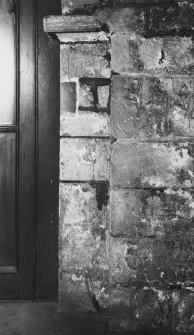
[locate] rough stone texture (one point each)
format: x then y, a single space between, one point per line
169 55
172 19
131 20
83 37
152 213
139 267
87 60
83 246
83 290
84 159
85 124
103 96
69 6
136 309
152 164
183 307
152 107
167 260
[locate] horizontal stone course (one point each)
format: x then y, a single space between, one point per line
152 107
155 56
152 165
84 159
151 213
87 60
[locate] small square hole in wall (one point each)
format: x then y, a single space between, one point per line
68 97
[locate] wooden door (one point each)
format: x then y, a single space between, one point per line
17 149
29 151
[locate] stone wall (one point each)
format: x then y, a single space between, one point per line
126 188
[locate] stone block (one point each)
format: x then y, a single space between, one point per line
84 159
94 94
167 261
152 107
183 311
152 165
155 56
85 60
81 205
83 247
68 97
175 19
151 213
134 310
128 19
83 290
85 124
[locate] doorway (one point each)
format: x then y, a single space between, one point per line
29 146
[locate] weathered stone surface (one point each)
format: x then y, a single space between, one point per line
84 159
83 290
83 205
133 309
94 94
183 311
87 60
152 164
103 93
100 36
169 55
85 124
131 20
69 6
87 95
68 97
151 213
168 260
172 19
152 107
83 247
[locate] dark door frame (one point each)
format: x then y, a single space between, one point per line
39 70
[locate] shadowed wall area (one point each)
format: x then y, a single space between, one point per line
126 162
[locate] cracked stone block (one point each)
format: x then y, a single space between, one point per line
85 124
103 96
133 309
152 107
85 60
152 213
183 310
68 97
167 260
83 225
155 56
152 164
84 159
83 290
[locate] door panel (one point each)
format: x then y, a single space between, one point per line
8 202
